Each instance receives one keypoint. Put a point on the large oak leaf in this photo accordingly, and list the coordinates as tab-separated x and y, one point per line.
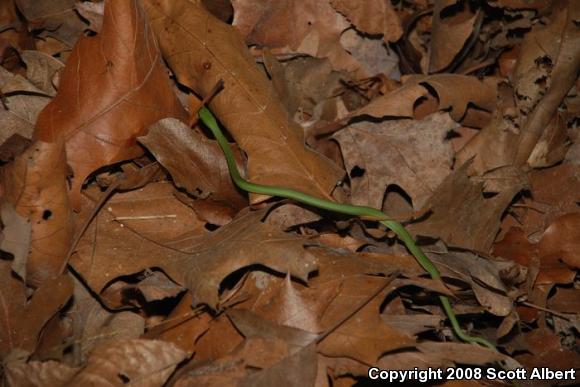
414	155
198	263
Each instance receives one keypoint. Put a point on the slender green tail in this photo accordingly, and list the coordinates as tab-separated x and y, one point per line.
359	211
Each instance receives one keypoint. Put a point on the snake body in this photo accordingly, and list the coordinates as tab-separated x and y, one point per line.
347	209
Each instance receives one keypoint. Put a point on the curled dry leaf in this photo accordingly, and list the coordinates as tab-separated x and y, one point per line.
113	87
201	50
35	184
414	155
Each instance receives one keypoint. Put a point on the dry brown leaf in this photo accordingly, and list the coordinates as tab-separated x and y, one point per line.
182	327
297	369
93	12
365	336
552	145
414	155
482	274
20	107
561	241
252	325
220	339
113	87
546	266
303	83
315	30
147	363
15	237
566	300
453	24
142	362
464	353
547	351
22	320
198	263
38	373
276	355
57	18
41	70
35	184
557	186
454	92
453	218
195	163
202	50
373	57
93	325
371	17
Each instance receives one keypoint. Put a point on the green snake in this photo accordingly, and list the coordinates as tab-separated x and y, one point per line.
347	209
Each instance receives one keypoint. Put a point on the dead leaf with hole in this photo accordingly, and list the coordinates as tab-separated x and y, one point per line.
413	155
109	94
35	184
202	50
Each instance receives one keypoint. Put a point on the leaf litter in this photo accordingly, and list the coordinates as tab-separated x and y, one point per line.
127	255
